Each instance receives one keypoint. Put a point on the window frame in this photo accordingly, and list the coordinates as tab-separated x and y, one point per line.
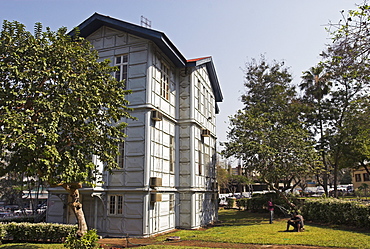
172	203
121	156
164	80
172	153
200	158
366	177
121	61
358	177
115	204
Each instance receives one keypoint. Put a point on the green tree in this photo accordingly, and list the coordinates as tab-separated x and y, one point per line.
58	107
347	62
356	135
268	133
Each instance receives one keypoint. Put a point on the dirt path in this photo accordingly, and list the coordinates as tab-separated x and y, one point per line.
113	243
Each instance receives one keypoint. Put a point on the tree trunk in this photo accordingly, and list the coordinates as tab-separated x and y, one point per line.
76	207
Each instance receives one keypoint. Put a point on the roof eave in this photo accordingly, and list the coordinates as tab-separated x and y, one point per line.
97	20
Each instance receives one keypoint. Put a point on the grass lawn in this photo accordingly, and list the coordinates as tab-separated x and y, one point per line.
245	227
253	228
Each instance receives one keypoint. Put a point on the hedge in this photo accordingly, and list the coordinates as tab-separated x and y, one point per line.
36	232
336	211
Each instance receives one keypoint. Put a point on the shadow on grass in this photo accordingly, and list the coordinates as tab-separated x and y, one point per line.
340	227
232	217
18	246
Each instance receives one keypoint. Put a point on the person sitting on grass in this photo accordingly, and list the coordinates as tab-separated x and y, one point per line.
296	221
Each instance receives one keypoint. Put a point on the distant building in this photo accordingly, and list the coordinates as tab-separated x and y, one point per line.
359	177
167	175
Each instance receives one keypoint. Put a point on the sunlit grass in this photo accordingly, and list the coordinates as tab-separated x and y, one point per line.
254	228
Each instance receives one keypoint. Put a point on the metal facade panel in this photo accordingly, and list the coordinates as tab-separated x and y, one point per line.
138	70
133	210
135	148
133	227
136	97
134	163
139	57
135	133
116	179
137	84
109	41
134	179
121	39
55	204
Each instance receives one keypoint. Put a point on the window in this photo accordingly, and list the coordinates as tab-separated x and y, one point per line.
198	95
366	177
358	177
115	204
165	81
172	203
200	158
121	156
122	64
172	153
200	204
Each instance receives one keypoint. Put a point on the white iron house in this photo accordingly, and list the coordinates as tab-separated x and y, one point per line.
167	176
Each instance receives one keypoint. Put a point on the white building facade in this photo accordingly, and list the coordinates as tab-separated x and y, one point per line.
167	176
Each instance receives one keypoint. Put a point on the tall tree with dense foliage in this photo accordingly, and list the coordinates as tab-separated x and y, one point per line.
59	106
356	135
268	134
347	62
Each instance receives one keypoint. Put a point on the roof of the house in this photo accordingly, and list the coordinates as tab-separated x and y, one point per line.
97	20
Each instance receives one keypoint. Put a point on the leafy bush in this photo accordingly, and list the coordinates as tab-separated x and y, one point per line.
231	202
242	203
336	211
40	232
89	240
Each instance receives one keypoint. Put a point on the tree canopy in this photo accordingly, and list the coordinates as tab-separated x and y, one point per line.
346	65
268	134
59	105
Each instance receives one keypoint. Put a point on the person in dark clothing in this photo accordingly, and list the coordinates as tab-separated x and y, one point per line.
297	222
270	207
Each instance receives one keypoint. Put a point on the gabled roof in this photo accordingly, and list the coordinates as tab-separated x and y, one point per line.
97	20
211	72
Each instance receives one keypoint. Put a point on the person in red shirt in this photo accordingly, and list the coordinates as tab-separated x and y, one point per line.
270	207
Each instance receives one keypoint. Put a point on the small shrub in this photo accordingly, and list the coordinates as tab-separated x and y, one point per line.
242	203
231	202
88	241
38	232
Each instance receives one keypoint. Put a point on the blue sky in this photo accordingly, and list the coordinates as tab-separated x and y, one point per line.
231	31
